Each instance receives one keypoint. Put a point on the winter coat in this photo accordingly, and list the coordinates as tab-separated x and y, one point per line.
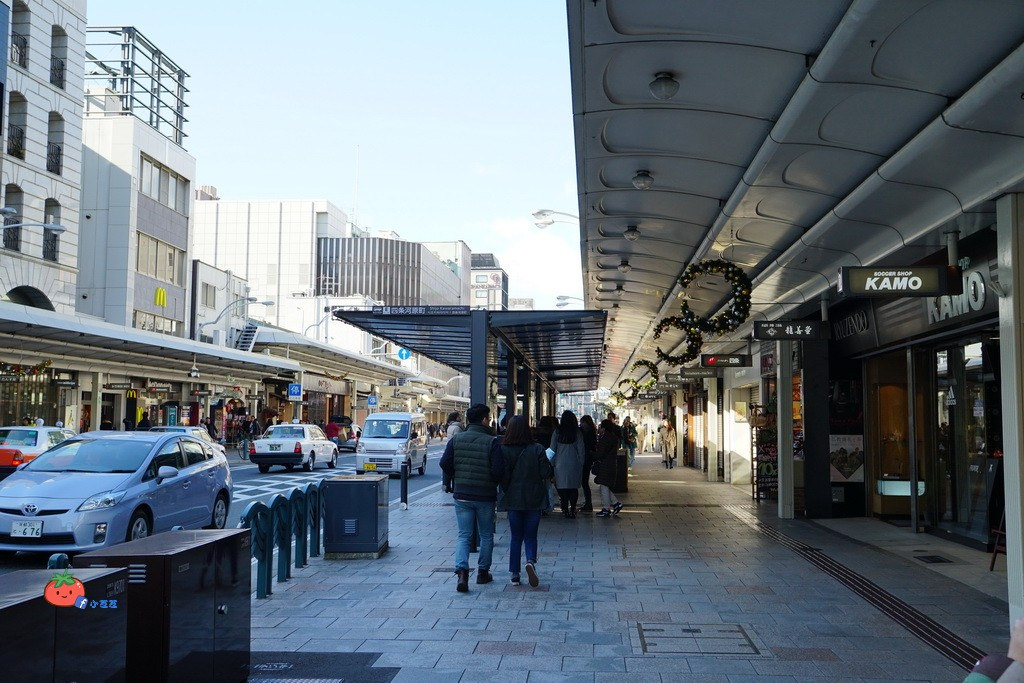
605	458
590	442
453	429
568	461
525	482
629	436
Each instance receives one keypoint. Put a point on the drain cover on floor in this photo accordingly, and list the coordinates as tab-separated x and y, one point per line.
318	667
712	640
933	559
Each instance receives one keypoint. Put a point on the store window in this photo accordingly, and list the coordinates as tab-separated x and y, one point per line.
164	185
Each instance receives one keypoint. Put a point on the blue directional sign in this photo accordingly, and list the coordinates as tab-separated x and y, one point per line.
295	392
404	354
371	401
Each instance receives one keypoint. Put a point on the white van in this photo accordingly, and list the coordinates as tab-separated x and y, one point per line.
390	439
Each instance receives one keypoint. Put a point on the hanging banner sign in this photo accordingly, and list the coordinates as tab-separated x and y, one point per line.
65	382
163	389
782	330
692	373
725	360
908	281
118	385
201	392
420	310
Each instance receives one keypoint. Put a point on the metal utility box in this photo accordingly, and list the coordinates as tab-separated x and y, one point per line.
42	642
356	513
188	597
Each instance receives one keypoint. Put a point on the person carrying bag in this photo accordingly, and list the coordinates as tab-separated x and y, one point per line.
524	484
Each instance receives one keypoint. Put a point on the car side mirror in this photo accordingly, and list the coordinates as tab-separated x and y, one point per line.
166	472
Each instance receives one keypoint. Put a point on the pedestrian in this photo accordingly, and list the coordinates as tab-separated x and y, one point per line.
570	453
668	444
542	435
1008	668
524	485
26	421
128	423
590	442
430	431
40	422
629	440
106	424
211	429
331	431
454	425
144	424
641	436
608	438
472	470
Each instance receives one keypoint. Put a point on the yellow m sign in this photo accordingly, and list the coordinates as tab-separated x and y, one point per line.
161	297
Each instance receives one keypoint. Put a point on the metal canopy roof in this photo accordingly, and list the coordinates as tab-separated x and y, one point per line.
563	347
805	135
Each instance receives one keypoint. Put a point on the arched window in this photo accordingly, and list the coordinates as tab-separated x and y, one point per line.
16	120
51	238
58	55
55	144
21	19
13	199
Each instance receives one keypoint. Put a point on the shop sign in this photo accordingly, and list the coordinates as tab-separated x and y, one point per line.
950	398
725	360
693	373
323	385
858	322
253	397
420	310
118	385
159	389
901	281
10	379
65	383
972	300
792	330
200	392
648	396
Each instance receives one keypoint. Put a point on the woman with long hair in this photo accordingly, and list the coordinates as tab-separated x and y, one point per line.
525	490
570	453
590	443
608	439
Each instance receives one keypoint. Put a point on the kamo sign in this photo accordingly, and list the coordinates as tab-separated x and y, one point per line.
909	281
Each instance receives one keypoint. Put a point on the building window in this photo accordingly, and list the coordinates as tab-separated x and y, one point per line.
480	294
51	239
21	19
58	56
209	295
164	185
55	144
18	108
480	278
13	199
160	260
155	323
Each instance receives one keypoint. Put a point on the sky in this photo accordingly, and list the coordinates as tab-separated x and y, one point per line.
437	120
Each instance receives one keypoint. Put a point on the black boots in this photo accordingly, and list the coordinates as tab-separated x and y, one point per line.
483	576
463	585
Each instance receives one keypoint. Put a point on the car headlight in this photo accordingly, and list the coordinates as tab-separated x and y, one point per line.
401	449
361	448
102	500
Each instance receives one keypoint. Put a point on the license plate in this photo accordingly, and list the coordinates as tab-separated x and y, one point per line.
369	466
275	446
27	529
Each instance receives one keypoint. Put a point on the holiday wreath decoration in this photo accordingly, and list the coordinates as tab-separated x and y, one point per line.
24	370
634	386
696	326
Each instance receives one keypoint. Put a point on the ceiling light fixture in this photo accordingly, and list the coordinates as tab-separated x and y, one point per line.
624	267
619	291
664	86
643	180
632	233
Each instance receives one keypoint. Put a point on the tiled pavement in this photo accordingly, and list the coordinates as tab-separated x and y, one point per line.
676	588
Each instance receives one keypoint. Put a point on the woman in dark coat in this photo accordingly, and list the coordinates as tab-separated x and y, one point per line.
608	438
525	493
590	442
570	453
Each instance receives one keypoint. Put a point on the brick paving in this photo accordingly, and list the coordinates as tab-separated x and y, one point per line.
678	587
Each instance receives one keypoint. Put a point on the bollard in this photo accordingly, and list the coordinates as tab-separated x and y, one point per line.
58	561
315	518
257	518
300	522
405	486
281	516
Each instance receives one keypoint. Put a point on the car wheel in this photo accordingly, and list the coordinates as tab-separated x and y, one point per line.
220	512
308	465
139	526
264	468
333	462
290	468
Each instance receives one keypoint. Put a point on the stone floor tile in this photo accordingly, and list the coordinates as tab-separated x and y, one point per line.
593	664
560	677
505	648
531	663
483	676
331	645
413	674
469	662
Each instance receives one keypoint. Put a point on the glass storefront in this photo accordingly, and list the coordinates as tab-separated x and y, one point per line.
31	396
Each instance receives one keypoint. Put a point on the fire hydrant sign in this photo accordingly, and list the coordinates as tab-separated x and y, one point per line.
894	281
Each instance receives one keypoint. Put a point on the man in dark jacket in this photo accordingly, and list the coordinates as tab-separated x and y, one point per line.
472	470
144	423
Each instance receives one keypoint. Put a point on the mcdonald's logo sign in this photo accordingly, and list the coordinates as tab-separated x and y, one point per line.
131	393
161	297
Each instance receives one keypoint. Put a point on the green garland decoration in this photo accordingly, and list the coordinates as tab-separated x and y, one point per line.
636	387
25	370
696	326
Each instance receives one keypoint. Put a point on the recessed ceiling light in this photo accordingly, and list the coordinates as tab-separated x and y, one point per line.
664	86
624	267
643	180
632	233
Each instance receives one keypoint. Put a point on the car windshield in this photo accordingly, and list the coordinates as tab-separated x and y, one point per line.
285	433
386	429
93	455
18	437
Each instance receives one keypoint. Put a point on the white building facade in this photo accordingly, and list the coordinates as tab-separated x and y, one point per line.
42	164
220	306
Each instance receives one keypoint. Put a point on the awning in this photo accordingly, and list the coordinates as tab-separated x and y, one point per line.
564	348
89	344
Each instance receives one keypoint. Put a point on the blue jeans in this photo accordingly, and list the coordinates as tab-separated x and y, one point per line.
470	513
523	526
631	453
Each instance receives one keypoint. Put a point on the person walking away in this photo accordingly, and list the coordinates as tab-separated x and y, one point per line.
589	431
144	424
524	485
542	435
472	470
211	429
454	426
641	435
570	453
629	440
608	438
331	431
668	445
249	431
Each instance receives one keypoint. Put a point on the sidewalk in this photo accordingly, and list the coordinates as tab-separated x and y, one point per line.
691	582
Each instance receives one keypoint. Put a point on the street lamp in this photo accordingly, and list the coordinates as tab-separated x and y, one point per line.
11	211
544	218
250	299
564	299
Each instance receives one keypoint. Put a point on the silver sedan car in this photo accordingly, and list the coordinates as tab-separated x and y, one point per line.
103	488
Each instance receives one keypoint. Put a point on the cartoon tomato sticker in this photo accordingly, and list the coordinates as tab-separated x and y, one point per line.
63	590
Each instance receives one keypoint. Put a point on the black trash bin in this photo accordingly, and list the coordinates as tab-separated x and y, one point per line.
621	473
188	597
42	642
355	515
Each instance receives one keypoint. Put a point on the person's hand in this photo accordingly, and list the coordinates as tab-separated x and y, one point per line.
1016	650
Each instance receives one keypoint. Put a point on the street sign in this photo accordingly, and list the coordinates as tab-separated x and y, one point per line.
118	385
725	360
65	382
802	330
420	310
294	391
648	396
692	373
404	354
371	401
901	281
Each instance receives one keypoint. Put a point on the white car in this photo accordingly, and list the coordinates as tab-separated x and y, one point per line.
291	445
198	432
21	444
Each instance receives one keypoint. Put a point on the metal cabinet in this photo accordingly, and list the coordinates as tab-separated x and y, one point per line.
188	596
41	642
356	513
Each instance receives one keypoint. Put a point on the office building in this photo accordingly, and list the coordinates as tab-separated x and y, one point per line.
520	304
490	283
457	256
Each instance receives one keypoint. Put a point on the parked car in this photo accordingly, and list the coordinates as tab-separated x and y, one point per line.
19	445
198	432
102	488
351	441
390	439
291	445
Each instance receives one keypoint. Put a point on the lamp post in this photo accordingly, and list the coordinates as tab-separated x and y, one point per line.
564	299
543	218
249	299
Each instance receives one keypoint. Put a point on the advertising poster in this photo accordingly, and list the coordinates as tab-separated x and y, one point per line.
846	455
